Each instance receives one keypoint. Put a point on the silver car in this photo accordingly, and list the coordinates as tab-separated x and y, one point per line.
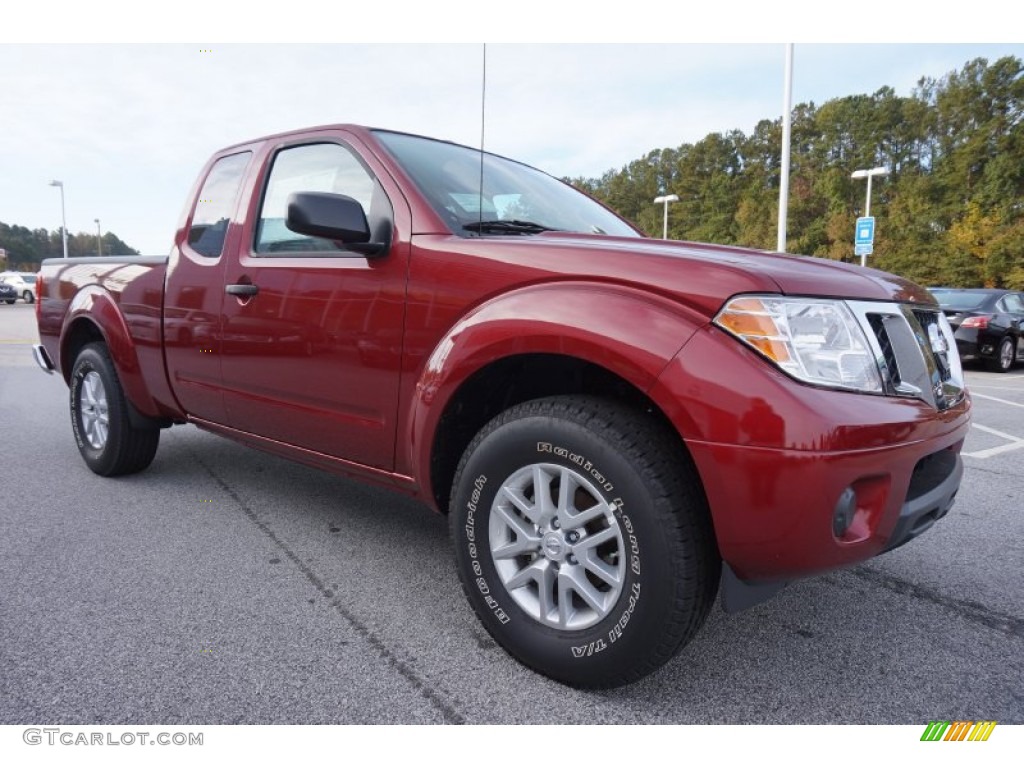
24	284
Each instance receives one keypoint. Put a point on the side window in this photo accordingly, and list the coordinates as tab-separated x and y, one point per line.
1014	303
216	204
313	168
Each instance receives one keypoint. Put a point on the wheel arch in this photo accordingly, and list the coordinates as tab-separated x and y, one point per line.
94	316
509	381
539	341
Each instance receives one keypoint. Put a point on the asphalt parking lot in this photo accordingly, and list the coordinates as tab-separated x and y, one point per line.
227	586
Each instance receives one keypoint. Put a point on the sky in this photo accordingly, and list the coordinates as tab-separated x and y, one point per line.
127	126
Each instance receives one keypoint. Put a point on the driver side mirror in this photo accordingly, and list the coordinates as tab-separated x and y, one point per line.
331	216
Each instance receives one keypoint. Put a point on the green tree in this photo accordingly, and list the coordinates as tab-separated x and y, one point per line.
950	212
27	248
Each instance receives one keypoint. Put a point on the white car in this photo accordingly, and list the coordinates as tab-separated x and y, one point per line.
23	282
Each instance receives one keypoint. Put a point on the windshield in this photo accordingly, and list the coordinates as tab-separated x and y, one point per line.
960	301
516	199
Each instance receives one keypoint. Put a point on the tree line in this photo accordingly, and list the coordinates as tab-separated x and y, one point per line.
26	248
949	213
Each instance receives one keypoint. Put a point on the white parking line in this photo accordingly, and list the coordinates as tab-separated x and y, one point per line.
997	433
1016	443
998	400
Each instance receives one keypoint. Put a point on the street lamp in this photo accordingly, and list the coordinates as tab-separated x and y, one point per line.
868	174
666	199
63	217
99	239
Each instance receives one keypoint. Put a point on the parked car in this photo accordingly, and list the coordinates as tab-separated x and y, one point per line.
987	322
8	293
24	284
616	425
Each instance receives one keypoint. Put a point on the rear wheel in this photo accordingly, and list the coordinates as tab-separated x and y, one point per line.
583	540
100	418
1003	361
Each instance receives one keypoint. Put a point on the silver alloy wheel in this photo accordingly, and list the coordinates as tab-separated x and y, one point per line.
1006	354
92	405
557	546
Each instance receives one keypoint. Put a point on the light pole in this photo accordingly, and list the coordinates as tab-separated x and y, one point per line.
63	217
787	131
666	199
868	174
99	239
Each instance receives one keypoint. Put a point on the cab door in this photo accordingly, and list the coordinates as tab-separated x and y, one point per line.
312	332
194	288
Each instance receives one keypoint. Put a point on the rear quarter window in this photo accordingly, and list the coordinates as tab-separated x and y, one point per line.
216	204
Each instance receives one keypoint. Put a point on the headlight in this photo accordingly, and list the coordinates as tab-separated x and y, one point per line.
814	340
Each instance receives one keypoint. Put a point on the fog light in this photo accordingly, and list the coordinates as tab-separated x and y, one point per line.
843	515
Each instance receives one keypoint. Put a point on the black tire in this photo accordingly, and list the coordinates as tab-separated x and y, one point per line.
637	474
114	447
1005	355
10	301
28	297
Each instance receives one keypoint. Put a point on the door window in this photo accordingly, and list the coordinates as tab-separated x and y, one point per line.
313	168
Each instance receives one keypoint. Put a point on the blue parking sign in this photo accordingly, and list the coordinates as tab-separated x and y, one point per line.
865	232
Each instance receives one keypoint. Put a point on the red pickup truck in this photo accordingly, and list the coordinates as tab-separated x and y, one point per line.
615	425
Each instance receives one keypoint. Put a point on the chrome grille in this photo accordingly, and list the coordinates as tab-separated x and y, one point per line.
892	369
926	320
915	351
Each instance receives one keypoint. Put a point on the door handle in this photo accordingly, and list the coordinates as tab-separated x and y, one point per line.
241	289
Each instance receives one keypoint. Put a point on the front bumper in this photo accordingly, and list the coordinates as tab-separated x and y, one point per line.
779	459
933	489
774	510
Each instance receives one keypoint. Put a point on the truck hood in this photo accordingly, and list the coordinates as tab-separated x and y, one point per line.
704	276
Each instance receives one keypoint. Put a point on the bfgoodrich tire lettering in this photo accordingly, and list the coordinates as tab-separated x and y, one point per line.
597	585
105	436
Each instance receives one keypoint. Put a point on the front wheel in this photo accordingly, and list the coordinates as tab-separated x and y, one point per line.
583	539
100	419
1003	361
28	297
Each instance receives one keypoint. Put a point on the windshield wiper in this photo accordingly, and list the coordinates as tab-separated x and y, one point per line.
509	226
